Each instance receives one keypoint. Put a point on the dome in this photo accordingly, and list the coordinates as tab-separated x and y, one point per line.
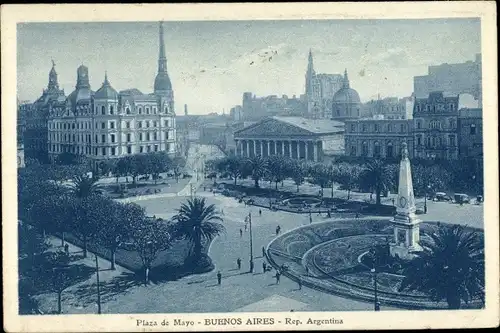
79	95
346	95
162	82
106	91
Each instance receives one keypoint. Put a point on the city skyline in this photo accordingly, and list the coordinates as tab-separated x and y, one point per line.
381	58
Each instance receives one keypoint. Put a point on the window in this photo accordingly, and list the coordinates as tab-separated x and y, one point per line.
112	138
103	151
129	149
156	147
353	150
113	151
147	123
73	138
428	141
103	109
452	123
140	110
155	136
155	124
364	128
140	136
128	137
389	127
111	109
375	127
364	149
472	129
147	110
95	151
418	124
127	124
419	140
96	112
353	128
127	110
376	149
403	127
452	140
154	110
141	149
390	150
96	139
112	125
148	149
139	124
166	135
103	125
103	138
452	107
147	136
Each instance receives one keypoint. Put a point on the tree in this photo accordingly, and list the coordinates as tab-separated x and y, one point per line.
160	162
429	179
60	274
320	176
234	166
257	167
277	167
298	173
84	186
348	176
178	164
31	243
123	167
86	213
450	267
376	176
149	237
67	158
197	222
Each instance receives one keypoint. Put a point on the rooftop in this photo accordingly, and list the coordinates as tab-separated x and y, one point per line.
312	125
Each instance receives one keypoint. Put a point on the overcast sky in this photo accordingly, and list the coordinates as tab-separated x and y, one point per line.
211	64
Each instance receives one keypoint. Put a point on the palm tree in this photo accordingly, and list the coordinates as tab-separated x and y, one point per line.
197	222
378	177
84	186
450	267
258	168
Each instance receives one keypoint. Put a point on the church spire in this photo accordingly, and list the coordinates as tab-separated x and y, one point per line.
53	84
310	73
162	59
346	79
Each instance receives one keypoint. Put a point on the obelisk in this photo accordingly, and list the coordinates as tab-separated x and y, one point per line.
405	222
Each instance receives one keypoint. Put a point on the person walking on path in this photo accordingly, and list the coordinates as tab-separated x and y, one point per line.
219	278
66	248
278	229
264	267
246	226
238	262
251	266
263	252
310	219
300	284
307	270
260	212
278	275
357	215
241	233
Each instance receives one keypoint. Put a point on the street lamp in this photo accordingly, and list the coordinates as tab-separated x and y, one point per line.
425	198
98	288
251	241
376	302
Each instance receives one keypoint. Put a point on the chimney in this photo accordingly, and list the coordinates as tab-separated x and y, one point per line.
185	109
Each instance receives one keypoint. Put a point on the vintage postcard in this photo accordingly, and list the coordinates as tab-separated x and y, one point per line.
237	167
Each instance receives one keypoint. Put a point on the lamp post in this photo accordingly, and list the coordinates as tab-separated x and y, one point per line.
376	302
425	198
251	242
98	288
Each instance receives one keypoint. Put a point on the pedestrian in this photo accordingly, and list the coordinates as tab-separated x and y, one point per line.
264	267
260	212
310	219
307	270
219	278
278	229
204	188
357	215
278	275
66	248
246	226
238	262
251	266
300	284
241	233
263	252
393	201
371	197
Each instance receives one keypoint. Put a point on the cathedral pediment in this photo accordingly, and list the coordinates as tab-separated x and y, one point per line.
286	126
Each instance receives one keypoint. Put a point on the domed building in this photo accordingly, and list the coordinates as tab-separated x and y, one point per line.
346	102
107	124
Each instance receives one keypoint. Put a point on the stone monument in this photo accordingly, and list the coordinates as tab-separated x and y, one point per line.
405	222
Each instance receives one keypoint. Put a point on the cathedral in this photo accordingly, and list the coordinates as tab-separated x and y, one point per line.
107	124
330	95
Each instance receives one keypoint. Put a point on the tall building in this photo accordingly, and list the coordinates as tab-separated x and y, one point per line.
106	124
256	108
320	89
453	79
470	133
346	102
389	108
435	119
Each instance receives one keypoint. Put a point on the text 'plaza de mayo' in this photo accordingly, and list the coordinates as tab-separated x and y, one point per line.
441	119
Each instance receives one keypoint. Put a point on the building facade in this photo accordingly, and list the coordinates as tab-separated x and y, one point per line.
293	137
106	124
453	79
378	138
255	108
470	133
320	89
389	108
435	121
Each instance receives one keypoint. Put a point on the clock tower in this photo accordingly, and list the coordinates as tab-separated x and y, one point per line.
405	222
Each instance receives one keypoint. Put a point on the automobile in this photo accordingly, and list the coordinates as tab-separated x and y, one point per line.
461	198
186	175
441	196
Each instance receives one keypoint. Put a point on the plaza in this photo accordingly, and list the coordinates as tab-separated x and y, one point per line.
240	290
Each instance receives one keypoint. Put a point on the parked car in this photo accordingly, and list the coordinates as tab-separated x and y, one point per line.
461	198
186	175
441	196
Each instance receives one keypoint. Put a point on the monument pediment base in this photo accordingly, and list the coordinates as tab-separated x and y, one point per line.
404	252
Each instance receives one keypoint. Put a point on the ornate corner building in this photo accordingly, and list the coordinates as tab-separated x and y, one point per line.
104	124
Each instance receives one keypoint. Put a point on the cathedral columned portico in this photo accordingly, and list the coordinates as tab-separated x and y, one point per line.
292	137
